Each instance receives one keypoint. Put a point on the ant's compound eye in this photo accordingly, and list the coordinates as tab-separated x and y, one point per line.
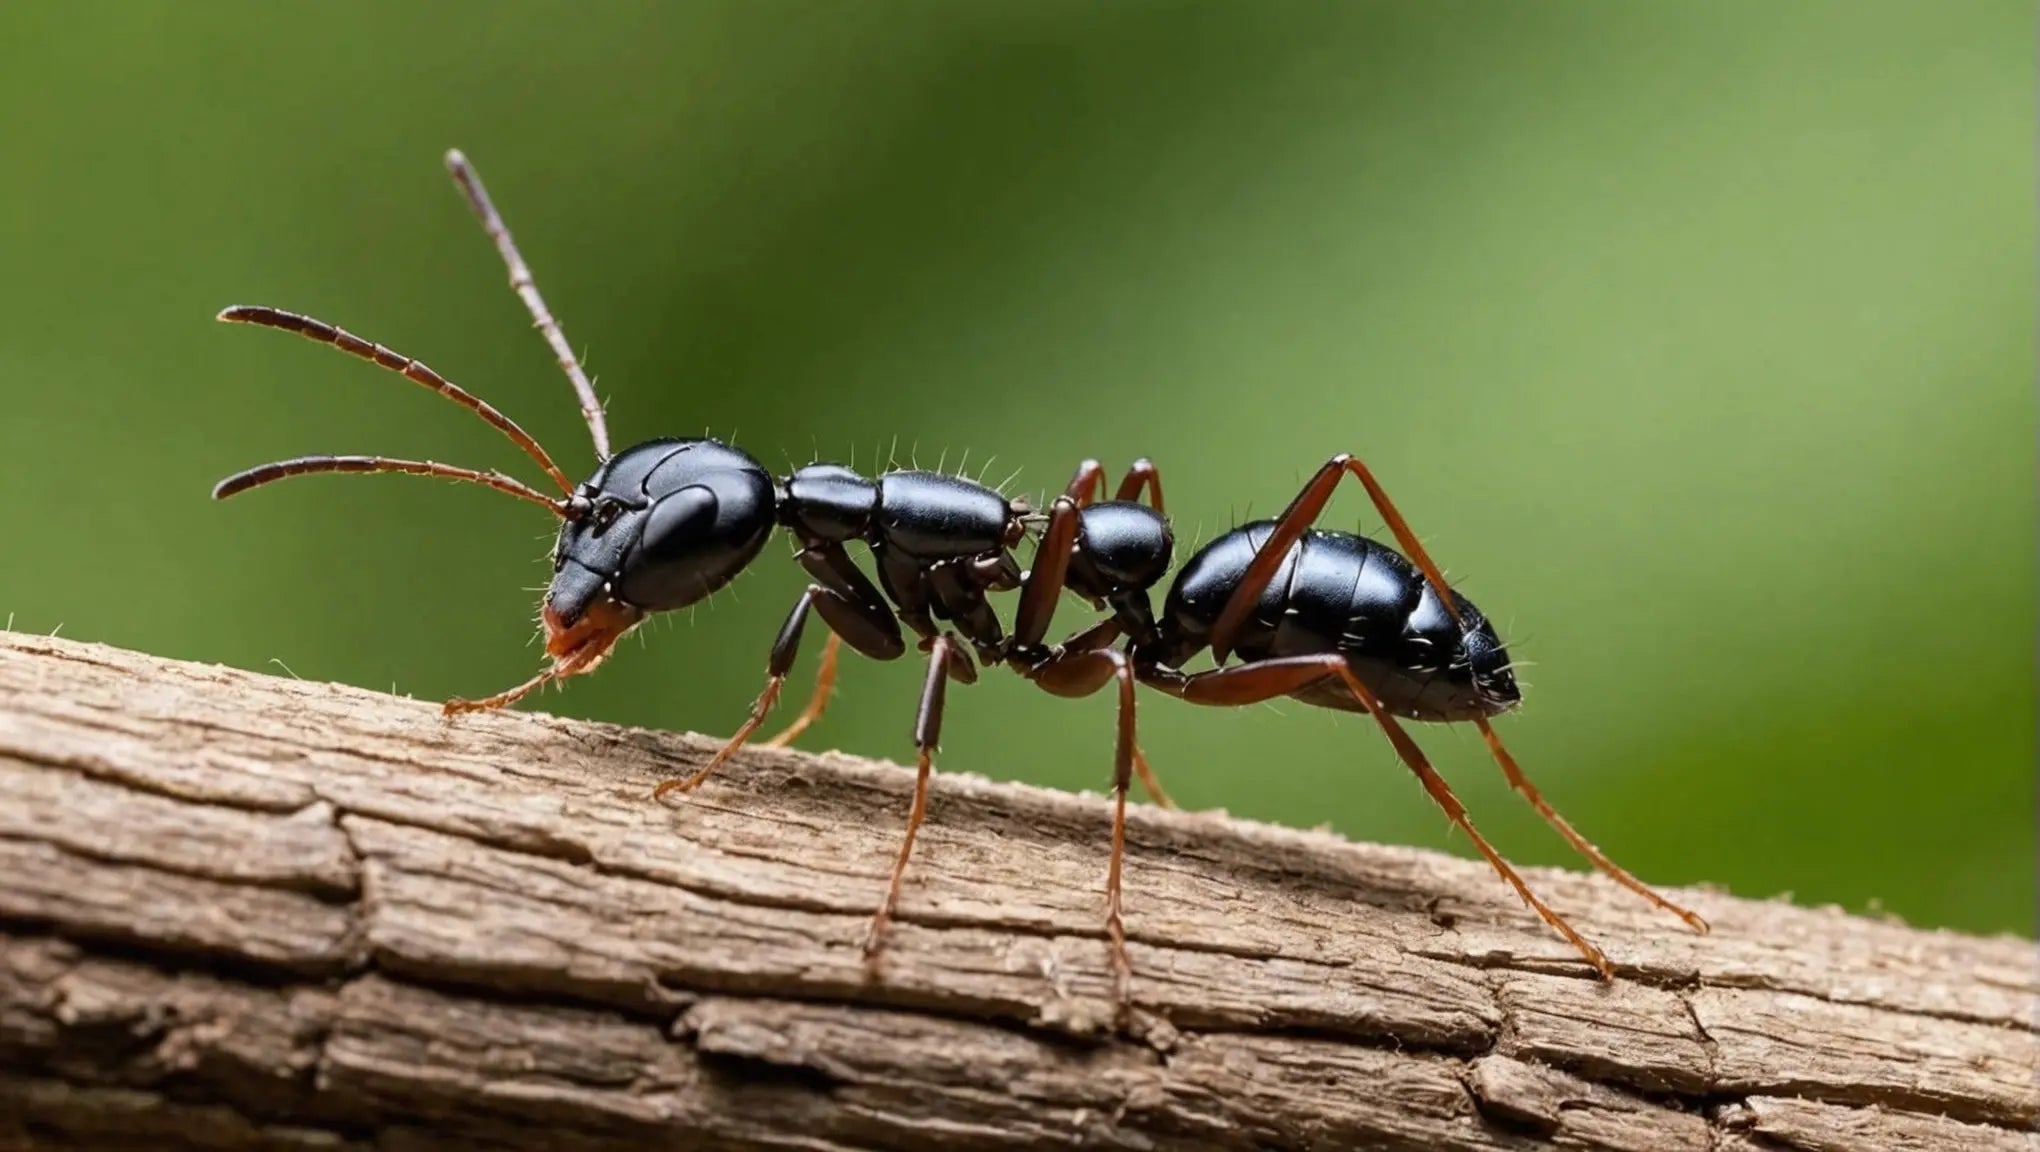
606	512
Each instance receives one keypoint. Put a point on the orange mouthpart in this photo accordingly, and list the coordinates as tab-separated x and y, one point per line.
575	648
580	646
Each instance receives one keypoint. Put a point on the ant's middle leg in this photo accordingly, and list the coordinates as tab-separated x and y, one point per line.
1088	485
1044	585
873	633
943	653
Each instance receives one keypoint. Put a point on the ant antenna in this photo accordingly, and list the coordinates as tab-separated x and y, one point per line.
402	365
521	282
308	465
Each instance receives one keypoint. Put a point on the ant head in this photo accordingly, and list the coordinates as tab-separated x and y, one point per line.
659	526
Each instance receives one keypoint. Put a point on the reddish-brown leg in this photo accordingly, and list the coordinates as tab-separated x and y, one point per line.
759	709
927	735
1087	485
1044	583
502	699
818	700
1143	473
1079	672
1521	783
1148	781
1297	519
865	625
1268	679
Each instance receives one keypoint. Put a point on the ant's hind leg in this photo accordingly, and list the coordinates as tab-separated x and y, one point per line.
1268	679
1521	783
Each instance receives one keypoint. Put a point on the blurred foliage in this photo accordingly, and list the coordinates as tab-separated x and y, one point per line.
1698	340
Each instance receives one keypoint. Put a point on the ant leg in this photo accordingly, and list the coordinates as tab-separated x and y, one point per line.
1581	844
1044	584
818	700
831	567
874	635
1103	635
1143	473
1076	671
1295	520
1088	485
1148	781
502	699
927	734
1265	680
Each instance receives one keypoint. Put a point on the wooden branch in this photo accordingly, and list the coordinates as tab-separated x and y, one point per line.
246	912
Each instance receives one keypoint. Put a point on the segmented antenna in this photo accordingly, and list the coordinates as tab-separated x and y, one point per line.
402	365
527	290
309	465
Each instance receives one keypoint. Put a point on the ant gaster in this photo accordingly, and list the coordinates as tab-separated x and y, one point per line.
664	524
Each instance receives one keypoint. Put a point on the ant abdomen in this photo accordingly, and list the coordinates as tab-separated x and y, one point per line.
1336	592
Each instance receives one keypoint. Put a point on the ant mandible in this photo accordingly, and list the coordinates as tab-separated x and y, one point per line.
664	524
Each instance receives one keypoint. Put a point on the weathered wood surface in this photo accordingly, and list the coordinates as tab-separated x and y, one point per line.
241	912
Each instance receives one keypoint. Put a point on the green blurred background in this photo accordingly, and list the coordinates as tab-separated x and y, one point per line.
1697	340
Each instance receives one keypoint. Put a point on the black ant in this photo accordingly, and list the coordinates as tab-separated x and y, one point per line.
664	524
1333	619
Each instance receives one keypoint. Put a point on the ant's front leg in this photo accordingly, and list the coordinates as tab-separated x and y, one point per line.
832	567
872	632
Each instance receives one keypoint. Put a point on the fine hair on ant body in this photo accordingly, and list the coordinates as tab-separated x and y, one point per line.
1333	619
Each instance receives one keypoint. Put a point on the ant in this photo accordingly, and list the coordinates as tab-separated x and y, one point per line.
664	524
1333	619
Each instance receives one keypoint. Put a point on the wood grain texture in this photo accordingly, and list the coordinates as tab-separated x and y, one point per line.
245	912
